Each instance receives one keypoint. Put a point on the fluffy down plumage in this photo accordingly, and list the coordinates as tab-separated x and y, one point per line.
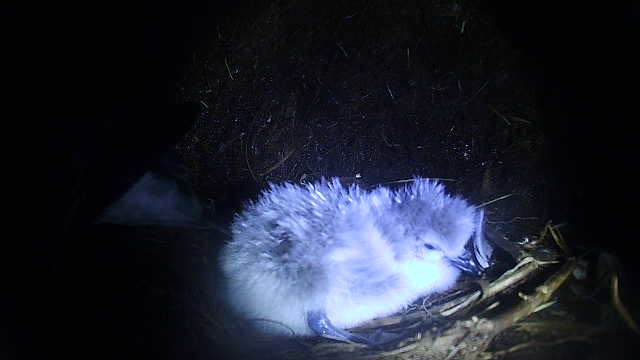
350	253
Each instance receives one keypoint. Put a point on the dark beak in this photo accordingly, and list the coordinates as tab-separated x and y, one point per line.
478	255
467	263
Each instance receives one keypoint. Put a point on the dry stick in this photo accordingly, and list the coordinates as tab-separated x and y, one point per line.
477	92
480	336
391	320
470	338
344	52
519	119
390	93
557	237
545	305
246	159
517	218
278	164
224	146
523	270
228	70
541	295
494	200
504	118
517	274
334	348
617	303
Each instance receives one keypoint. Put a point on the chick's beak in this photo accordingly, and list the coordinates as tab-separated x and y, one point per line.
467	263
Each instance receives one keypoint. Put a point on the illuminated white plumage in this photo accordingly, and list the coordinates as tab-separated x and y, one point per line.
346	252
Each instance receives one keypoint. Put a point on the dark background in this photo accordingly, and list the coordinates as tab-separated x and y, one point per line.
114	67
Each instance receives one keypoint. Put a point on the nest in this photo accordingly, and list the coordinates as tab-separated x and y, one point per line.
471	316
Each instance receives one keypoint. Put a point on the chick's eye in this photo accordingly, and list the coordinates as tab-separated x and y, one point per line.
429	246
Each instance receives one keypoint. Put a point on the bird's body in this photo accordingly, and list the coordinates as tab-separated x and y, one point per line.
347	253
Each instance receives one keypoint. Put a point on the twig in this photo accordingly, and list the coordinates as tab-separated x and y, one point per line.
517	218
228	70
544	306
390	93
494	200
278	164
477	92
504	118
540	296
386	141
344	52
246	159
519	119
517	274
557	237
223	147
622	310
